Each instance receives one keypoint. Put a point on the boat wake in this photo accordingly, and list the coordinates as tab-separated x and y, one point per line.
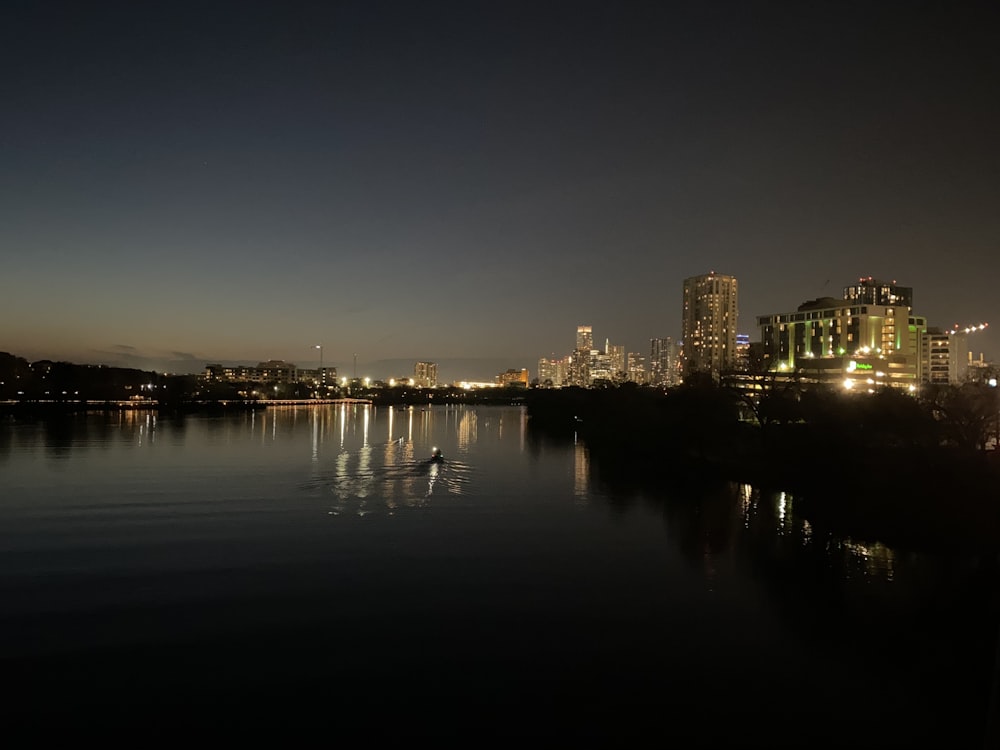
387	480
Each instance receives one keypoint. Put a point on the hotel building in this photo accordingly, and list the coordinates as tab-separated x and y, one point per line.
828	340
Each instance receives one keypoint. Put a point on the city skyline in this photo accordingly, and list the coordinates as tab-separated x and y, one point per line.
468	183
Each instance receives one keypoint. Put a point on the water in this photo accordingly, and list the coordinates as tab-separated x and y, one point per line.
309	566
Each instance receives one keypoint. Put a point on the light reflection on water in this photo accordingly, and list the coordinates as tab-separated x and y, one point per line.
382	455
388	477
872	560
329	526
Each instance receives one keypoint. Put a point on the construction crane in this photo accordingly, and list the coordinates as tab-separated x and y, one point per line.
968	329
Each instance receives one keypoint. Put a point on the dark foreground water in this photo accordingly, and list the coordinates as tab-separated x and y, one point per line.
307	567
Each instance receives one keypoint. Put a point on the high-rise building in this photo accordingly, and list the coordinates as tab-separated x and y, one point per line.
580	360
601	367
637	368
664	367
425	374
709	323
552	373
869	291
578	373
616	357
742	352
944	354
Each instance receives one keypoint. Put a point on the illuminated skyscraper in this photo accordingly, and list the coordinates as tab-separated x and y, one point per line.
637	368
579	371
663	365
709	323
616	358
553	372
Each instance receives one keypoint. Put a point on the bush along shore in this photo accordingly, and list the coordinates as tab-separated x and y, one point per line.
884	465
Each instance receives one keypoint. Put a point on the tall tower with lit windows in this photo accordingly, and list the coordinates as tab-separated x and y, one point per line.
580	362
663	365
425	374
709	323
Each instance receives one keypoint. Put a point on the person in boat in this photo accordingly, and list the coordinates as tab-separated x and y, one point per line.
430	464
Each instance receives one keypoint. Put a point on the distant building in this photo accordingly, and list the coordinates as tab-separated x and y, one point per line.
742	352
425	375
580	360
322	376
616	358
272	371
636	372
981	371
227	374
664	362
601	367
944	357
947	357
513	378
552	372
709	323
278	371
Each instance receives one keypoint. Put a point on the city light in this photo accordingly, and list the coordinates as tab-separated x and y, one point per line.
968	329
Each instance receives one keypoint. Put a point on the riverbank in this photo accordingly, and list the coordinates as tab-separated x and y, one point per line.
884	479
391	397
55	408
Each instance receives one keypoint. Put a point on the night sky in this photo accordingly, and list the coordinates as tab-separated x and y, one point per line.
183	183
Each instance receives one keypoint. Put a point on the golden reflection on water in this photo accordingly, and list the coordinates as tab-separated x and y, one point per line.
870	559
873	558
468	430
581	473
141	423
371	459
748	503
775	507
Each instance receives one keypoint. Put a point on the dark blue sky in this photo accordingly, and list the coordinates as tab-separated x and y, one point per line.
191	182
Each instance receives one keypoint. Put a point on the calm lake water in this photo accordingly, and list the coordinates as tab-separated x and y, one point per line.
307	566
